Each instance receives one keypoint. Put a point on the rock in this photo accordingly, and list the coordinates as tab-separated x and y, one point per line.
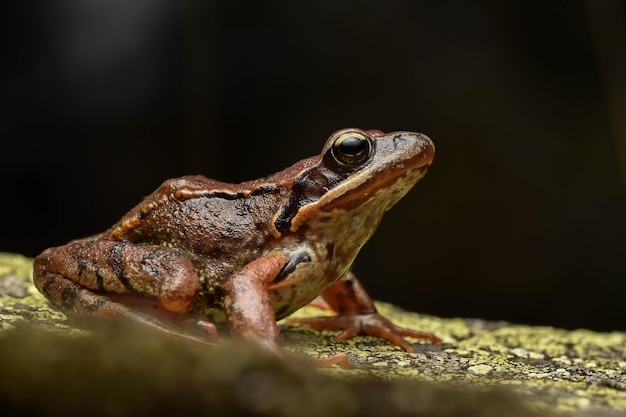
480	368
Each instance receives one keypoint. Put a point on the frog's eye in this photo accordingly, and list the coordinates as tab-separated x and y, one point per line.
351	149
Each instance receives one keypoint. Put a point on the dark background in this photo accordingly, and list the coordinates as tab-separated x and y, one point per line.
521	217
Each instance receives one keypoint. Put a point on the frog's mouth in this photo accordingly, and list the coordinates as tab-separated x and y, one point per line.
395	185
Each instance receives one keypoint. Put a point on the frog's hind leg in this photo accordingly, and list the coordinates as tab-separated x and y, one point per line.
79	303
88	278
357	314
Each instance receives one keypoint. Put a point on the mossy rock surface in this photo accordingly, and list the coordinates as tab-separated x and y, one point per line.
480	368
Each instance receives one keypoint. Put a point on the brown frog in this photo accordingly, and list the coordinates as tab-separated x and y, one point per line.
246	254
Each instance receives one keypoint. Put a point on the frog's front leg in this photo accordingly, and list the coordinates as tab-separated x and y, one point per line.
85	279
358	315
248	309
249	312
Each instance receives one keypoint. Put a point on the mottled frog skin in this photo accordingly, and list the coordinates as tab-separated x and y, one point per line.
246	254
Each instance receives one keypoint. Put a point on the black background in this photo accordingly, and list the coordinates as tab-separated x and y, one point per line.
520	218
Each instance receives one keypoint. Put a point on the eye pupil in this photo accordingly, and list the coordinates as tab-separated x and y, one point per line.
353	145
351	150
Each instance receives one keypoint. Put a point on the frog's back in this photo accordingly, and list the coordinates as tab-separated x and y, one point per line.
205	218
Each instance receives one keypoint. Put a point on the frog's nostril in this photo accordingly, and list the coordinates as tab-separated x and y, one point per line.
399	139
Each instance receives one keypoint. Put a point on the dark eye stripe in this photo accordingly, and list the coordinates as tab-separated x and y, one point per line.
307	188
348	152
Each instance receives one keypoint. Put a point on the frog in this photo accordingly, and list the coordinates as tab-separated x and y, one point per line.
246	255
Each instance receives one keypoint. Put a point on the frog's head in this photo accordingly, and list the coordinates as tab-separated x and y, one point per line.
359	174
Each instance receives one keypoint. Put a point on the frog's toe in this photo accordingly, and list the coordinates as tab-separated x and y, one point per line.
209	330
372	324
416	334
376	325
340	359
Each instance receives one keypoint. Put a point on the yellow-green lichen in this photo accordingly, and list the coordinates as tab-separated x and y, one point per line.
553	369
20	302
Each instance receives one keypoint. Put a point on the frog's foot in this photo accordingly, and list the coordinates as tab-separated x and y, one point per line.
340	359
209	329
273	348
372	324
203	327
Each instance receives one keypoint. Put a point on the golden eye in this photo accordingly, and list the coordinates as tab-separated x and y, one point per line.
351	149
